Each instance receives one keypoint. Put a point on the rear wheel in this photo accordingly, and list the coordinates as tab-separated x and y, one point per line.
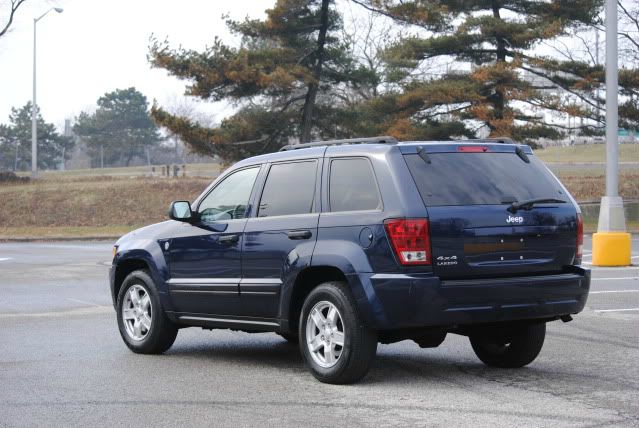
335	344
514	348
143	324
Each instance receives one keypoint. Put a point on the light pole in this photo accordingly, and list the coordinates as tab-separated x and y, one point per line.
611	244
34	105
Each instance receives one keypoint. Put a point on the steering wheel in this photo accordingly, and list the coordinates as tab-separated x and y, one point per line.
239	209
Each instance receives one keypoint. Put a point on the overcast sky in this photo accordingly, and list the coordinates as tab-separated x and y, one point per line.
96	46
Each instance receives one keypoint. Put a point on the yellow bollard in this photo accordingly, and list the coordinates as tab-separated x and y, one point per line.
611	249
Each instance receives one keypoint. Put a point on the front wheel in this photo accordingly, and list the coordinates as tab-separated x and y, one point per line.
335	344
514	348
143	324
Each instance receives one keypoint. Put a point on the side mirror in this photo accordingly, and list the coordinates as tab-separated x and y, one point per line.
180	211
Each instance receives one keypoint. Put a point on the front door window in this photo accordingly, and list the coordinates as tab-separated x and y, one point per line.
229	199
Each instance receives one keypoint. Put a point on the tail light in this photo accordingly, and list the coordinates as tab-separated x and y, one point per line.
580	236
410	239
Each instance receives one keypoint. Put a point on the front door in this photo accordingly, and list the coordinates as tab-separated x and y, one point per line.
205	259
282	236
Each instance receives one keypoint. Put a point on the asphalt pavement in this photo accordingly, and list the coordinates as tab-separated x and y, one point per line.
62	363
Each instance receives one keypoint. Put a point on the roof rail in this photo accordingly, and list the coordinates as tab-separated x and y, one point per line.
369	140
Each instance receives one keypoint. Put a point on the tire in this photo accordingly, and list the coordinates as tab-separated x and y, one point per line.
351	347
516	348
290	338
156	332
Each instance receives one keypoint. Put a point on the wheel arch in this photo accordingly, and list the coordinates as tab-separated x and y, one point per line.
122	270
130	260
305	281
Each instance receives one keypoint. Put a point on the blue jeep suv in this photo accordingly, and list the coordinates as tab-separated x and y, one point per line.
343	244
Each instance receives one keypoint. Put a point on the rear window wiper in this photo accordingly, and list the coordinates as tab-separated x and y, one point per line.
527	205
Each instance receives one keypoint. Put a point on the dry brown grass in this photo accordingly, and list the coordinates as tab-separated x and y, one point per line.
93	202
591	188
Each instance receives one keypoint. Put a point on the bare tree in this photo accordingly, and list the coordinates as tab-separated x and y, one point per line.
629	32
5	22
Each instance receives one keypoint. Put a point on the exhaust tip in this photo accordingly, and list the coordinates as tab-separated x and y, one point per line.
566	318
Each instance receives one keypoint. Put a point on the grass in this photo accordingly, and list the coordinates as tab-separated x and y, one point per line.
587	153
63	232
590	188
89	206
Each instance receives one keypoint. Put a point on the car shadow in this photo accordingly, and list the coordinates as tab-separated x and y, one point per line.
243	348
394	364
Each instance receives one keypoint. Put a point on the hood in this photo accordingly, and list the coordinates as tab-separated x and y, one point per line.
152	231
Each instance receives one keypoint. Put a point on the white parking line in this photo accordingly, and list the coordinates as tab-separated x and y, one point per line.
612	279
609	268
83	301
617	310
613	291
4	259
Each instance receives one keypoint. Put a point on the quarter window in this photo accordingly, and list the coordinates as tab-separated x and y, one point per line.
289	189
352	186
229	199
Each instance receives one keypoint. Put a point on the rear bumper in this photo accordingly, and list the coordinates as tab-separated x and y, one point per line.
391	301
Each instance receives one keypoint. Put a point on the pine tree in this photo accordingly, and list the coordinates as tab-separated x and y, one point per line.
282	77
496	41
120	128
15	142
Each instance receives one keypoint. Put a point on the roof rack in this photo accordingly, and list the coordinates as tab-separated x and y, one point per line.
369	140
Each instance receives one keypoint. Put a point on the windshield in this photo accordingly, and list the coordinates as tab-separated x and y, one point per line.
481	178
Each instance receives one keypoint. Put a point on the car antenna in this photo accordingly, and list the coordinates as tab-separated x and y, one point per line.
422	154
520	152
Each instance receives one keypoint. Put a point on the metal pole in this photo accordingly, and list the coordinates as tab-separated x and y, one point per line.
612	90
597	64
34	108
611	245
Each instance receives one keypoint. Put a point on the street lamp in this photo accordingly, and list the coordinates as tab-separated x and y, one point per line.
34	106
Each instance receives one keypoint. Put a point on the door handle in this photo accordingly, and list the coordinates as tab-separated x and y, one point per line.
299	234
229	239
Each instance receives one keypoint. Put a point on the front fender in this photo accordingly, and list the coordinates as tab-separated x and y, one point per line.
150	252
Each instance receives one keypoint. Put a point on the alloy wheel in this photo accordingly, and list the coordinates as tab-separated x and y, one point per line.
137	312
325	334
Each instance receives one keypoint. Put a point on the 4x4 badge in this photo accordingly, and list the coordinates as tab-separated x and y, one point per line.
446	260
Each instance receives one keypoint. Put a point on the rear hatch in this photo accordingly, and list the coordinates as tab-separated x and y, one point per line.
475	229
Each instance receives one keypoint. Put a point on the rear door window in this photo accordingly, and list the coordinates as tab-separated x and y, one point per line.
352	186
480	178
289	189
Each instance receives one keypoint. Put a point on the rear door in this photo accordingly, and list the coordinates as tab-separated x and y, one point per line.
468	190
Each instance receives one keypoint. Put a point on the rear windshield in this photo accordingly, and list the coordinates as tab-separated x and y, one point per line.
480	178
